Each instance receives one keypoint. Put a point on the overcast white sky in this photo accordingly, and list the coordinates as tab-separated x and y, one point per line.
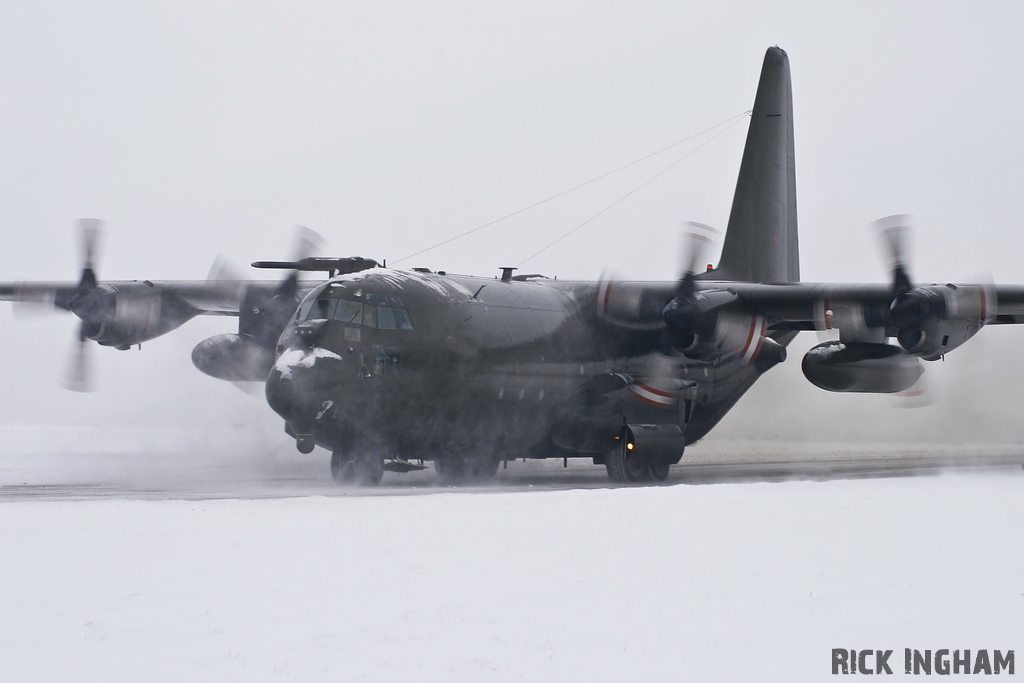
203	127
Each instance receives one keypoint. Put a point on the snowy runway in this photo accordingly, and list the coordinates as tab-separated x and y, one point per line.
663	583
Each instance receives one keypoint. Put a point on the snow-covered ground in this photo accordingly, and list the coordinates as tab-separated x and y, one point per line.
721	582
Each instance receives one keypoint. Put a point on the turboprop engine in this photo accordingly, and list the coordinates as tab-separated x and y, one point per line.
861	367
131	315
700	324
932	321
265	311
248	355
120	316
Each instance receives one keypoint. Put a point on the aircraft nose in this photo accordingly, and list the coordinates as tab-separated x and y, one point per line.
299	383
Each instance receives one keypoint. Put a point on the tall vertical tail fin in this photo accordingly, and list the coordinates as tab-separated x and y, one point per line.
761	240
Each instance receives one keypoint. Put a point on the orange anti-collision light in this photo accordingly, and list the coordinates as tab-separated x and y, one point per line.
629	446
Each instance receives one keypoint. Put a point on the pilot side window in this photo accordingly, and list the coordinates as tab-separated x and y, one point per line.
322	309
304	308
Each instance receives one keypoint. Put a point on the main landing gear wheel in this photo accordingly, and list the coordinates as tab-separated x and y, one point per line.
365	469
625	465
484	467
658	471
369	469
450	469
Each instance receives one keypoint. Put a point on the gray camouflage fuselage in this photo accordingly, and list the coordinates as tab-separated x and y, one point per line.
505	369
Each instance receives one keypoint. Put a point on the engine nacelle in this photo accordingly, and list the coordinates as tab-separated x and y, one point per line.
861	367
723	333
123	317
633	305
932	321
233	358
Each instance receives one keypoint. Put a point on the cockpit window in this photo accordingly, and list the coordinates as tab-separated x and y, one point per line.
322	309
304	309
349	312
386	318
389	313
402	319
393	318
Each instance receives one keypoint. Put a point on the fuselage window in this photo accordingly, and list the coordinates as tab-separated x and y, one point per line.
387	360
350	312
370	316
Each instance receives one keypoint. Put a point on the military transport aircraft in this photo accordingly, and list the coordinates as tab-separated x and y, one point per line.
385	367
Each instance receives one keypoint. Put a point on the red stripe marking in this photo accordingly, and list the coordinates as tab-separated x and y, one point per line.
652	402
659	392
607	294
911	394
701	238
760	341
750	336
983	306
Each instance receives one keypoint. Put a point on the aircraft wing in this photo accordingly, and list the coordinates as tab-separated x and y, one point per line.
804	306
222	297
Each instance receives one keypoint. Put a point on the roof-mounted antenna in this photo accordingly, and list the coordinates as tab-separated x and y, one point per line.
506	274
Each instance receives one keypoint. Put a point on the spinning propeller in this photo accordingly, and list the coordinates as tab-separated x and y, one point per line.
697	323
924	316
78	375
685	315
265	309
910	308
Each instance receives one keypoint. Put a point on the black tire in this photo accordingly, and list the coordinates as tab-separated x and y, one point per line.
625	465
483	468
658	471
450	469
369	469
343	472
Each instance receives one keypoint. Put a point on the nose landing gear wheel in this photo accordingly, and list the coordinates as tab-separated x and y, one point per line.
369	469
366	469
342	470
